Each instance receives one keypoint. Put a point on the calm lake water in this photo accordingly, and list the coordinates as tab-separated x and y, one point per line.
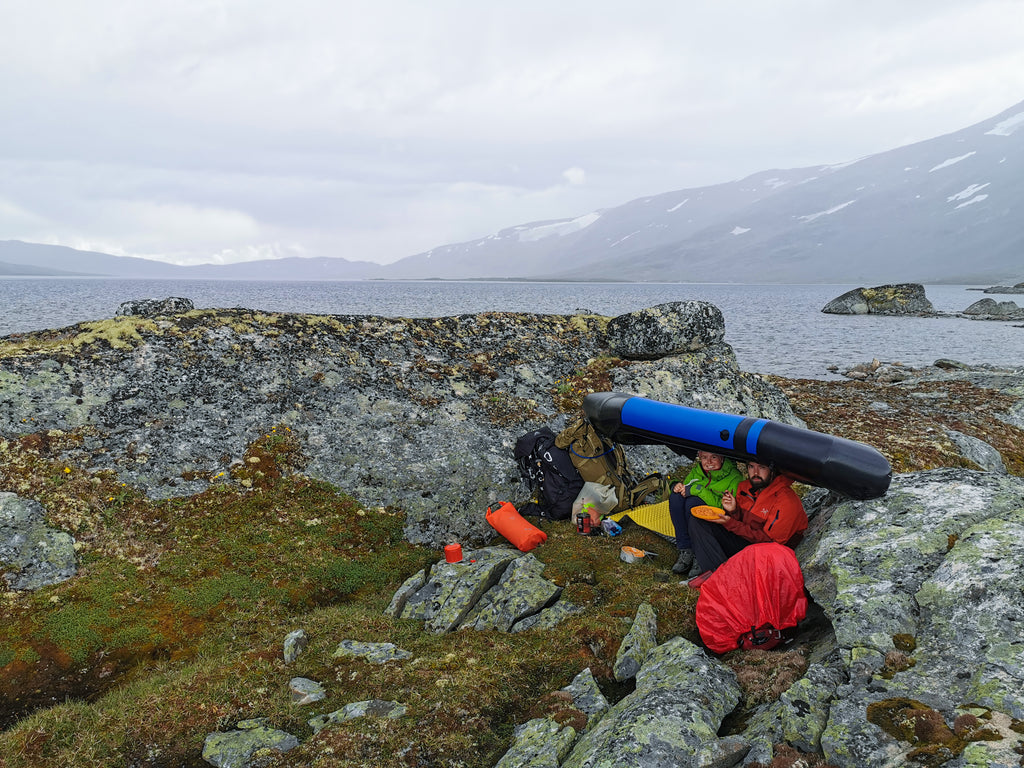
773	328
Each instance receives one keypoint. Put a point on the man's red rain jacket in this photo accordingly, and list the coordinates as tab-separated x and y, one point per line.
761	584
774	514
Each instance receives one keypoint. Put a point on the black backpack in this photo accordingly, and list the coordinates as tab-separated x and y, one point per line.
549	472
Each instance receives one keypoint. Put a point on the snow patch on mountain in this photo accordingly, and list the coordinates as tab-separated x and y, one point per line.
975	199
951	161
968	192
739	230
1007	126
677	206
833	209
557	228
624	239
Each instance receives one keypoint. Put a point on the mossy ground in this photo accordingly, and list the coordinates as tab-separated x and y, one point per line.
173	627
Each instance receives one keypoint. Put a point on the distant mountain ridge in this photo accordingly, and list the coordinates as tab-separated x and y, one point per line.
942	210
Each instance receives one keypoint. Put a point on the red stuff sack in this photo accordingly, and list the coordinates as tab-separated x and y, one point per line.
507	521
751	598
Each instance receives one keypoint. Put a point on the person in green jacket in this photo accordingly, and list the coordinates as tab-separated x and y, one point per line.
711	475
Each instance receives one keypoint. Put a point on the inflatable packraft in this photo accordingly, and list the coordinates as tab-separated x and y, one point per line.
841	465
751	598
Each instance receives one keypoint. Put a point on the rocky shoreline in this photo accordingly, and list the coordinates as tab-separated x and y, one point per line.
921	589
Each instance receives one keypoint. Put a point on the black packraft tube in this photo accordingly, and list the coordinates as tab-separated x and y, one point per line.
841	465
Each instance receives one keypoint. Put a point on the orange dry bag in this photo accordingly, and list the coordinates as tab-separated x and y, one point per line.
507	521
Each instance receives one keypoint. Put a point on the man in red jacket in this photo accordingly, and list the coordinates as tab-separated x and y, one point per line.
764	508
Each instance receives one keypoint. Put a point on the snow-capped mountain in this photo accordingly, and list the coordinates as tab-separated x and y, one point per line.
944	210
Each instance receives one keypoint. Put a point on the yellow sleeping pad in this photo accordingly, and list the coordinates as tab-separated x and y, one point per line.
654	517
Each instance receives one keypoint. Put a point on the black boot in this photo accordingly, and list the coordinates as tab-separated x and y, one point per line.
684	562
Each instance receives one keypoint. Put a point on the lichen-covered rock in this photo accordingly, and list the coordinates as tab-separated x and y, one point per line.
32	554
371	653
549	617
492	588
369	708
521	591
538	743
637	644
798	718
452	590
923	590
671	718
665	330
172	305
409	587
978	451
420	414
587	697
243	748
895	299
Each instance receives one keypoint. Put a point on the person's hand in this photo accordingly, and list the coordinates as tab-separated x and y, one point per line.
679	488
728	502
721	519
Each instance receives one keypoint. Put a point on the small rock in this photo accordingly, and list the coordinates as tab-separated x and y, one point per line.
370	708
305	691
372	653
294	644
235	749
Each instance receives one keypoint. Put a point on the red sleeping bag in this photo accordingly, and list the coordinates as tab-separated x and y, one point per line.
750	598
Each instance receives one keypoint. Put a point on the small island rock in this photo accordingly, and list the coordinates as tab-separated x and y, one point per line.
895	299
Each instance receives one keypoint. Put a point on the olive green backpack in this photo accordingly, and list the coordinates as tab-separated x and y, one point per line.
599	460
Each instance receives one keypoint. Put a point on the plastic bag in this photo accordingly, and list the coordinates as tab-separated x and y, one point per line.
602	497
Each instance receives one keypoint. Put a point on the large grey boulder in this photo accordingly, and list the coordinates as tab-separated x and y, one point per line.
667	329
421	414
671	718
172	305
32	554
708	380
923	588
893	299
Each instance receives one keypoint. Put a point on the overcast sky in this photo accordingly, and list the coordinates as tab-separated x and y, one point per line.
212	131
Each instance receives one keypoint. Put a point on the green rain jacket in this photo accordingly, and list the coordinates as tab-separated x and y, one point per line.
711	487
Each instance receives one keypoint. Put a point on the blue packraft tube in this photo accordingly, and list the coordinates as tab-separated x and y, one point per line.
846	466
